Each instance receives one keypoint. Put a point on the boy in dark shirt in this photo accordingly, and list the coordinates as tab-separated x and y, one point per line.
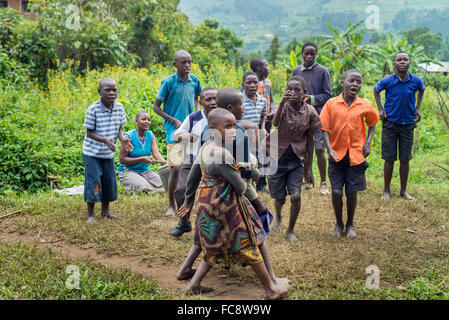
319	88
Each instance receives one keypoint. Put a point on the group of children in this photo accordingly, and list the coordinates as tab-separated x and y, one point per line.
228	150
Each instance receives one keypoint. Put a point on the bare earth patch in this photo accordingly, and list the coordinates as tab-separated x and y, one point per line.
404	239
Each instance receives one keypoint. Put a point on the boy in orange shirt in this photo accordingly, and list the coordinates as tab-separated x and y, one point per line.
343	120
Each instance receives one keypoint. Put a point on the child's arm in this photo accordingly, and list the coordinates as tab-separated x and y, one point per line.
418	106
125	140
94	136
278	114
157	108
193	181
366	150
331	152
309	159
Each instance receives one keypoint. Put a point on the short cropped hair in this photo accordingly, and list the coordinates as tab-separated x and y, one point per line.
207	89
309	44
228	96
216	115
256	62
347	73
104	81
140	113
247	74
396	54
301	81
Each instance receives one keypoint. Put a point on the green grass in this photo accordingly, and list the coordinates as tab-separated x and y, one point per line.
27	272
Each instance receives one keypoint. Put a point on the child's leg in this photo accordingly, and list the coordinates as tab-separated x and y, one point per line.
351	205
337	203
172	184
194	285
388	174
404	169
267	261
272	290
105	211
278	204
295	207
90	212
187	269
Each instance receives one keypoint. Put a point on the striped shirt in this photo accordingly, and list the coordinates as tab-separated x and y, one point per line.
105	123
254	113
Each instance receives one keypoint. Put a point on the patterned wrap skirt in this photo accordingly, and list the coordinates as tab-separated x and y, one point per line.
228	226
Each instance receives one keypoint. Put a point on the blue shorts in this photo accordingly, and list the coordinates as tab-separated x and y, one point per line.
100	182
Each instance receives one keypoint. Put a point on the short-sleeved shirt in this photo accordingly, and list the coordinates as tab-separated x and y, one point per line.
178	98
142	148
346	126
254	113
400	97
105	123
318	83
293	130
194	123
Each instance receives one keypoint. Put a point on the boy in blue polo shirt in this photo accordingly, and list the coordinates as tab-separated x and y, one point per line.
179	95
399	116
104	121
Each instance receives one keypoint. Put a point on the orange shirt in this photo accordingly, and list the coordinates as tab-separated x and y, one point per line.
346	126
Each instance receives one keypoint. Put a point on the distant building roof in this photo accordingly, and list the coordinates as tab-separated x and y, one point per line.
433	67
269	36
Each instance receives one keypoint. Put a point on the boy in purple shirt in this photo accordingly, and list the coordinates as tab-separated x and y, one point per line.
319	87
399	117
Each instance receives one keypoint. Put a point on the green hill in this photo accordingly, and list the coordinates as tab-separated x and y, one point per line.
253	19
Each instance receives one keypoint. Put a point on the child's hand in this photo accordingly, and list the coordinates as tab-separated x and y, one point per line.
366	150
111	144
177	123
417	116
287	95
183	211
382	114
128	145
333	155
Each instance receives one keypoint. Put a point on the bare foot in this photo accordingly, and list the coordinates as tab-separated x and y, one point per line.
406	196
385	196
350	233
277	291
291	237
170	212
276	226
109	216
186	275
91	220
199	290
338	231
280	281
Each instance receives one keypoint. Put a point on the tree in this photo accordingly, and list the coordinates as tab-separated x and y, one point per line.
273	51
421	36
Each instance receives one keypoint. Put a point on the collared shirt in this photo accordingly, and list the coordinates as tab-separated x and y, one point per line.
178	98
105	123
400	97
346	126
318	84
254	113
194	123
293	130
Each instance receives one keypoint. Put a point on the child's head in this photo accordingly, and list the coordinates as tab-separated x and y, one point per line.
250	82
309	52
143	120
231	100
252	131
107	88
297	86
260	67
222	122
401	61
208	99
352	83
182	62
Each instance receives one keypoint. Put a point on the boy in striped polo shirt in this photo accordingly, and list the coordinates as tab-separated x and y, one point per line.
104	121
